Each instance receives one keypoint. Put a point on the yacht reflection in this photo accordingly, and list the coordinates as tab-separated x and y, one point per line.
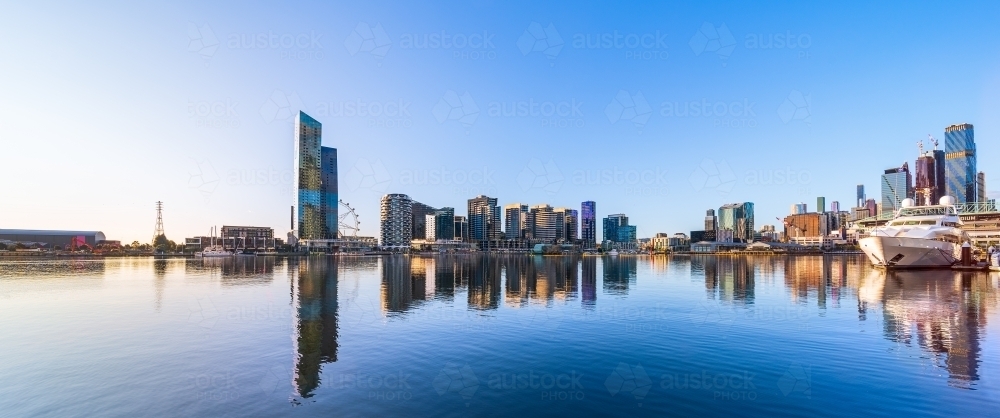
619	273
943	312
314	296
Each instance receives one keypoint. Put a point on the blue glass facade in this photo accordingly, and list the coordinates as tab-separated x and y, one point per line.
960	162
897	184
738	218
588	223
315	181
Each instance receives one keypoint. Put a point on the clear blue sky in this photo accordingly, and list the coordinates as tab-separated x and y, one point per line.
106	108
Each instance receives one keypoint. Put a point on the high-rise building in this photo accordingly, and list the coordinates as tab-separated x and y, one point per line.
820	204
441	225
396	217
872	207
626	233
330	206
798	209
314	205
419	223
611	225
861	196
545	223
484	219
960	162
568	224
835	206
930	182
711	222
897	184
588	223
461	228
981	187
738	218
515	221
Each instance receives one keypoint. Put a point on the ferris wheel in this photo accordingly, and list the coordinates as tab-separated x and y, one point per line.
348	225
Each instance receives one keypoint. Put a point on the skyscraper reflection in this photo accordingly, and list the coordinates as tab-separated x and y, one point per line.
314	298
588	286
484	282
729	279
619	273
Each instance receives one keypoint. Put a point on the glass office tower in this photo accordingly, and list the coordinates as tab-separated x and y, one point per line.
308	183
738	218
960	162
329	201
588	223
484	218
897	184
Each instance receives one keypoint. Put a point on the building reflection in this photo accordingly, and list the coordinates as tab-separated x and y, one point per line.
314	296
619	273
484	282
588	286
942	312
728	279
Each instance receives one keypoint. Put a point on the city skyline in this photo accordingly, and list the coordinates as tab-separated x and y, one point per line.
223	111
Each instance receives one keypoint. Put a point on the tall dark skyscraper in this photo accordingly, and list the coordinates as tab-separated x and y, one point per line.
960	162
588	223
897	184
314	203
611	225
820	204
929	180
484	218
861	196
515	216
739	218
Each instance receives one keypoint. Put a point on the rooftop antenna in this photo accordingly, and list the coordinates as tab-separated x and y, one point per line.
158	230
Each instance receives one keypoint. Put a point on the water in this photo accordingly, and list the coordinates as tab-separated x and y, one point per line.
491	336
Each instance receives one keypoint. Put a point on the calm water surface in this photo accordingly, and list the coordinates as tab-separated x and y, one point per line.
495	336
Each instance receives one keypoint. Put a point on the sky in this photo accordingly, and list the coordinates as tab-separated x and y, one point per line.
659	111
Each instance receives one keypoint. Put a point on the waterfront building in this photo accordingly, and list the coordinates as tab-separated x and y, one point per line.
546	224
396	217
820	204
738	218
897	184
461	228
626	233
315	205
440	225
419	212
588	224
960	162
872	206
611	224
981	187
861	195
835	206
711	222
567	230
246	237
50	238
807	225
329	200
702	236
515	218
484	219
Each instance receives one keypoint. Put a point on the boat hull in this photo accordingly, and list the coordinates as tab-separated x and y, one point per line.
902	252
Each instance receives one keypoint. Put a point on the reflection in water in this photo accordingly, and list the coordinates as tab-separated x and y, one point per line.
729	279
944	312
619	273
159	282
314	296
588	288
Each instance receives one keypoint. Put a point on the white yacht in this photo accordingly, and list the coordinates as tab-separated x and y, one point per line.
918	237
213	251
